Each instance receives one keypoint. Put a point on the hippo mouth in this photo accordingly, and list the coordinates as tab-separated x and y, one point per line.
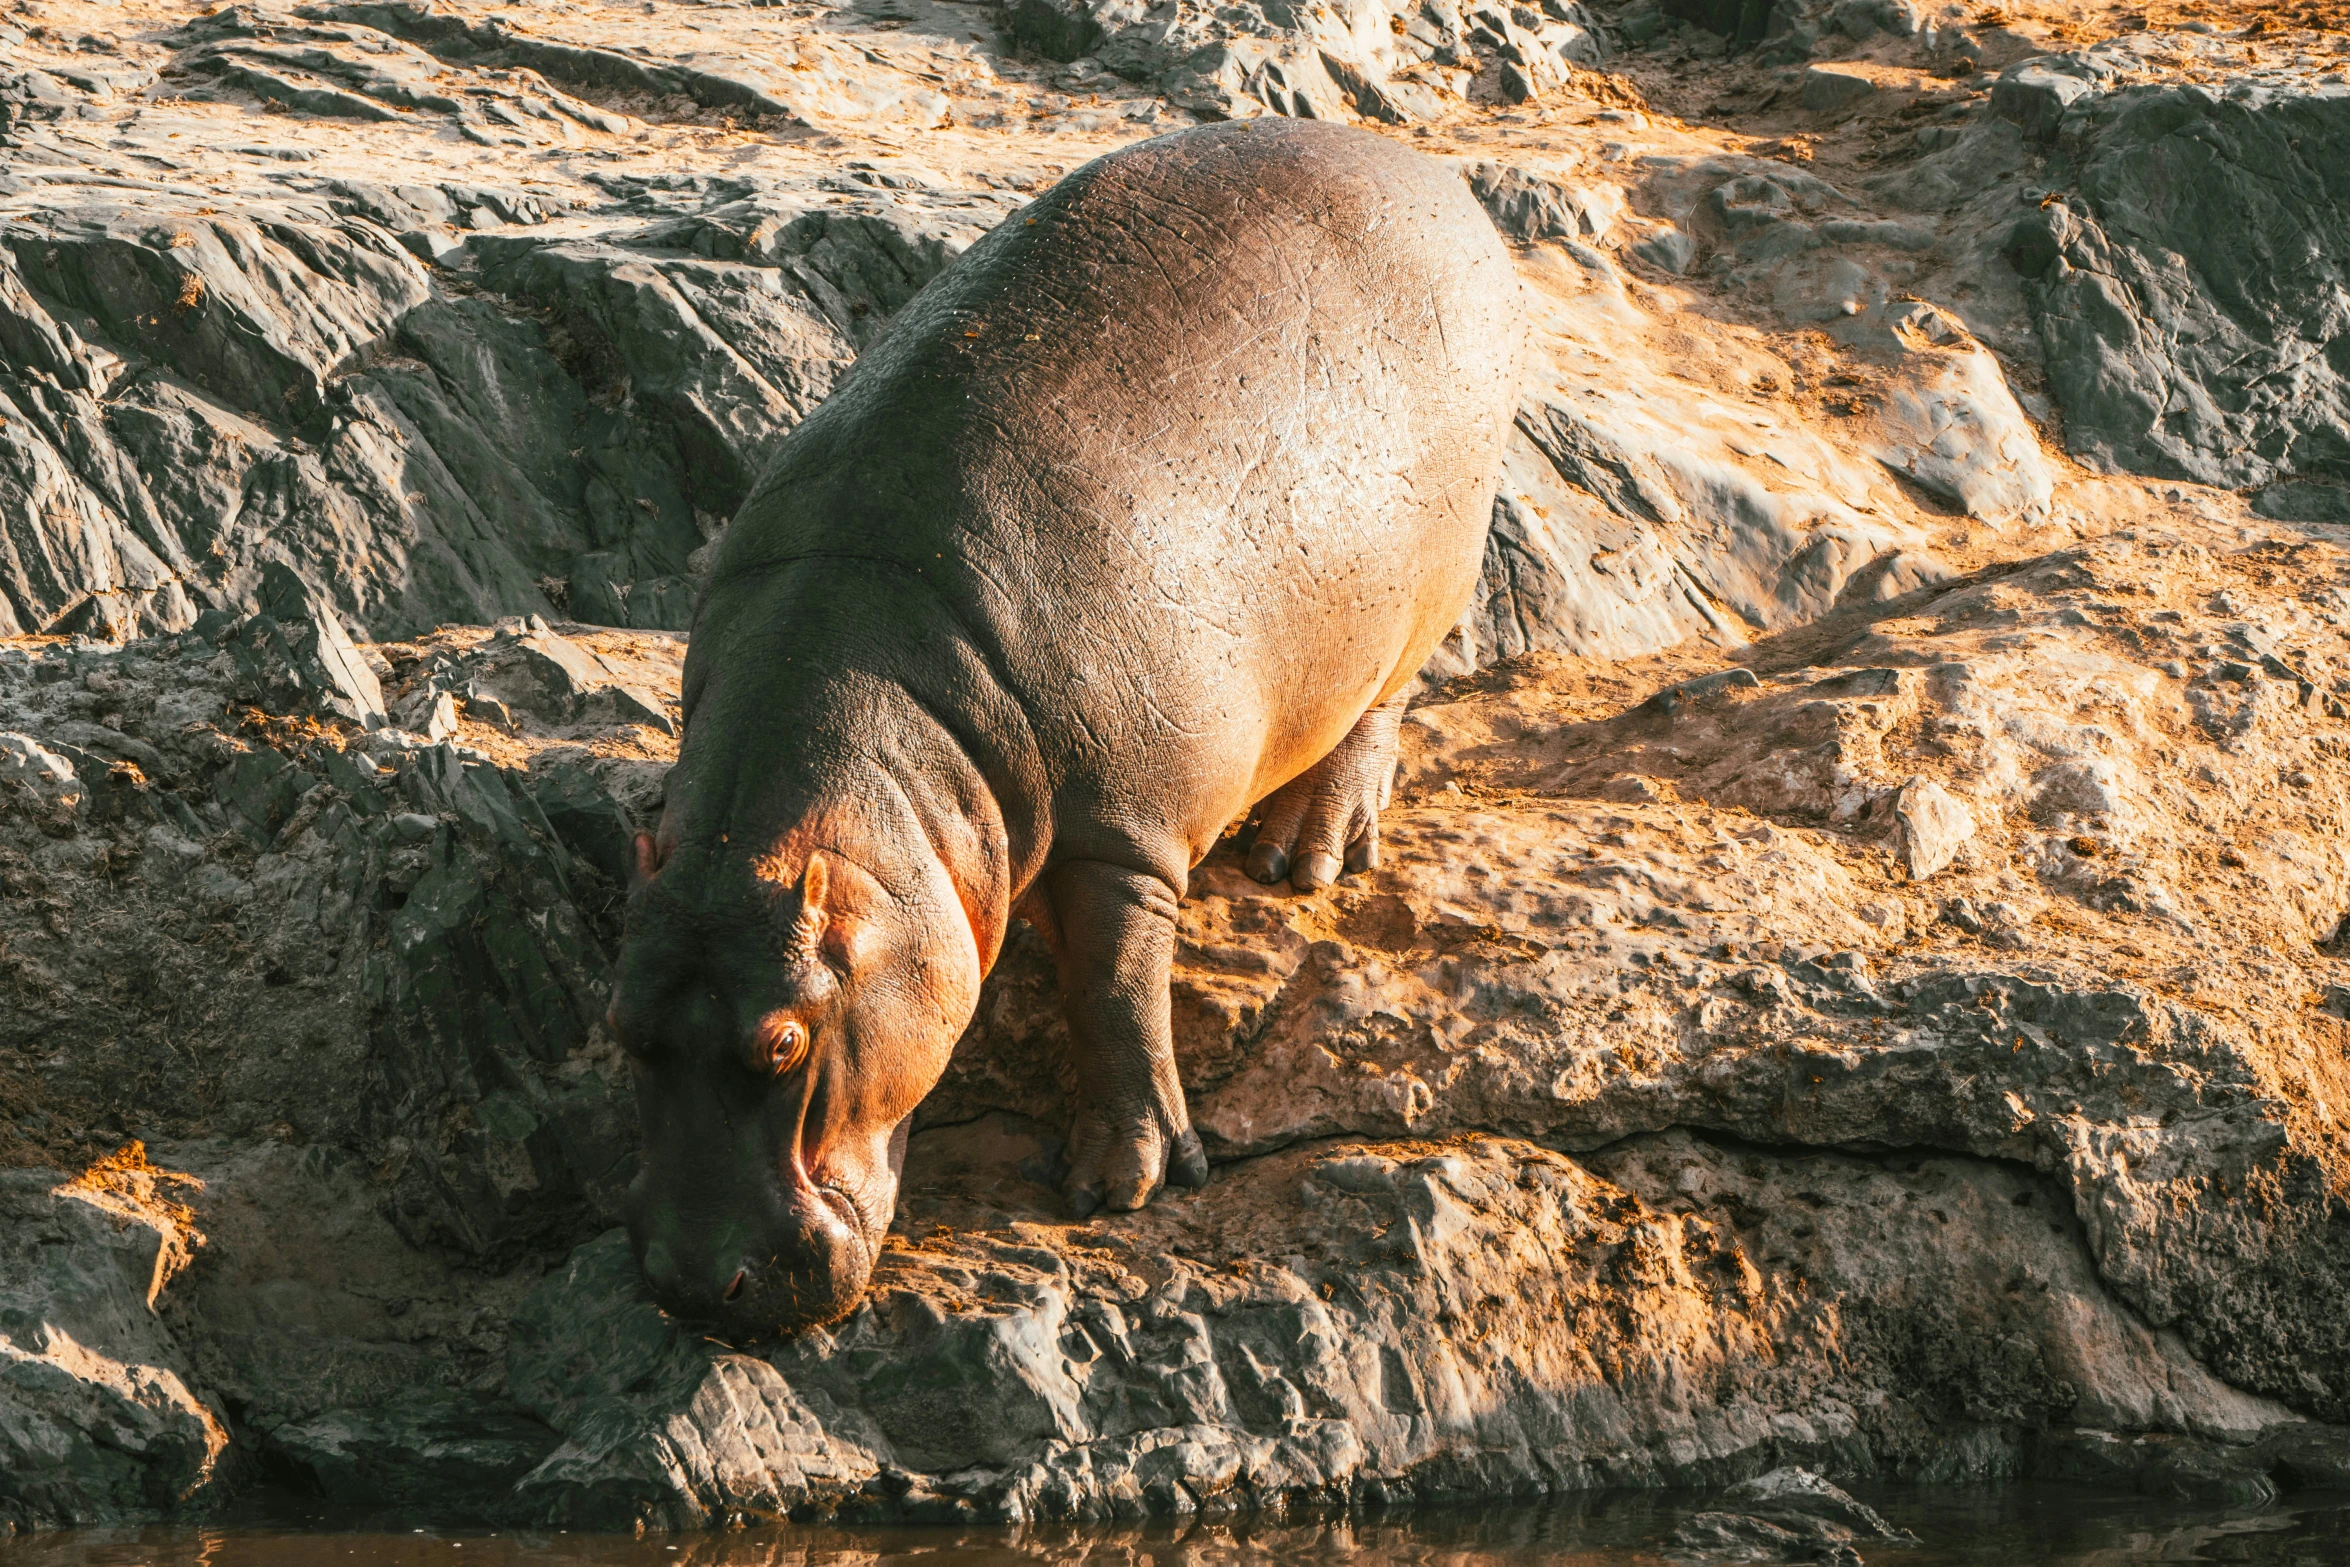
835	1194
817	1277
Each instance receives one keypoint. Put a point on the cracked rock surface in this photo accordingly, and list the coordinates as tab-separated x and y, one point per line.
1855	987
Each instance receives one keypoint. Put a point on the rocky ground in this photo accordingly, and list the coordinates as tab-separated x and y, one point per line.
1859	977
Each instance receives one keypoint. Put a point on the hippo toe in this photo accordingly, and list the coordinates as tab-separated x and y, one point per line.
1325	823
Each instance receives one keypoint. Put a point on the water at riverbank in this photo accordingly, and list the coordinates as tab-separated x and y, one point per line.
2019	1526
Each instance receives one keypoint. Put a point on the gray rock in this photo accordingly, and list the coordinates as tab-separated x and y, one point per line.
2180	310
1949	422
455	40
1789	1514
1932	825
27	96
437	718
2034	96
1893	576
2182	1471
1738	23
560	683
407	452
1642	22
561	674
296	652
1743	1537
1704	689
1864	19
1654	943
1010	1374
97	1422
431	1451
1767	226
588	819
1794	1493
1229	62
1626	920
1667	249
39	771
483	996
1828	88
1526	207
2300	501
110	746
1613	539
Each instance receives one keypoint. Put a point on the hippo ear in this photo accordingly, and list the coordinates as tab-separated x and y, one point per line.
807	928
645	863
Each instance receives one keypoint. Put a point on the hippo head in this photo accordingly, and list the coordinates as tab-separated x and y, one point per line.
783	1013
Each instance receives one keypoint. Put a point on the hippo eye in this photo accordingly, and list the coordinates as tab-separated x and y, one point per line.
787	1045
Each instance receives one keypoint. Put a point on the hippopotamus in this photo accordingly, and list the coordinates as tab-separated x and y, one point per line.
1145	512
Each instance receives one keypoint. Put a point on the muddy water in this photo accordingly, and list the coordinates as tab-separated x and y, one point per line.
2021	1526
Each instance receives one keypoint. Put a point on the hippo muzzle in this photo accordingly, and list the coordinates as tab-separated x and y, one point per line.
782	1255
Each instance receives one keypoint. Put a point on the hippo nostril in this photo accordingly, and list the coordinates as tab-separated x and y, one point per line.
734	1286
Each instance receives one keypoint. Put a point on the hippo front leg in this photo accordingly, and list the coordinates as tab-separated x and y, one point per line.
1116	943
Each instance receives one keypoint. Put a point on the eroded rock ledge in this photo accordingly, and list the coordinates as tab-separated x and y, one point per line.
1909	1051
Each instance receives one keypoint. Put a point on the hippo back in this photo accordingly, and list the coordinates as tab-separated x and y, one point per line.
1198	449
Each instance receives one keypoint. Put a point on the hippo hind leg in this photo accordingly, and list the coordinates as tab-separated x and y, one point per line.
1328	816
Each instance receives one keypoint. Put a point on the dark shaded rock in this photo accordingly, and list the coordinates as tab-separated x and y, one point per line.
1793	1494
2190	295
708	353
1864	19
1742	22
428	1450
2305	1457
2034	95
263	788
1526	207
1788	1514
97	1424
587	818
296	652
2182	1468
2297	501
1828	88
1058	32
1742	1537
485	993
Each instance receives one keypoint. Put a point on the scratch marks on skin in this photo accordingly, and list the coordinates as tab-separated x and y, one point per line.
1268	442
1195	613
1163	719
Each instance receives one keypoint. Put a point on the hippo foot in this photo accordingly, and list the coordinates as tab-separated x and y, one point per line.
1117	1160
1325	822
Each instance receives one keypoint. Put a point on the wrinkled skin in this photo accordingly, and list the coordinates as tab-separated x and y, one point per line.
1146	510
